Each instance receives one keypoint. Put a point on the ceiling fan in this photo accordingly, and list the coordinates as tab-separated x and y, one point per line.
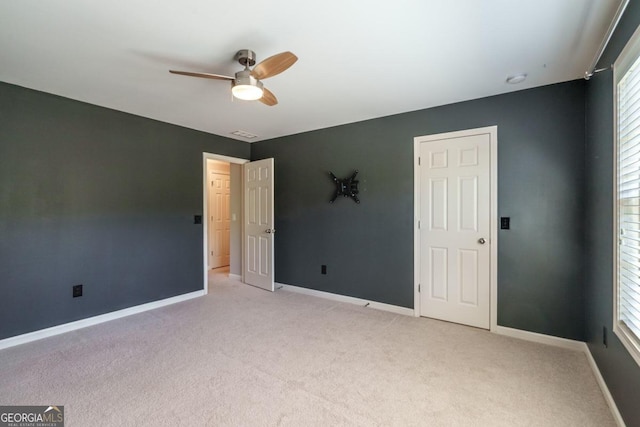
247	83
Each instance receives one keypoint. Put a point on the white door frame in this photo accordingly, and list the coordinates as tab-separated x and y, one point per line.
205	210
493	215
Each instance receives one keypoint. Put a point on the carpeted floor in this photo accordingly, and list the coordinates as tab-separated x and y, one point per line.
245	357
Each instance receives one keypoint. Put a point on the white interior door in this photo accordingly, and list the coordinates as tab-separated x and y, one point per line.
454	235
219	219
258	224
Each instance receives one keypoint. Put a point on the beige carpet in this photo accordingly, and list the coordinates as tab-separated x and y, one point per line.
245	357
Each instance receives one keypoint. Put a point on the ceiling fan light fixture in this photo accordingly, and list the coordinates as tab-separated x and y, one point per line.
246	87
247	92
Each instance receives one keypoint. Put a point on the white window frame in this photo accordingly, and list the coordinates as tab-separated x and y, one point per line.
627	58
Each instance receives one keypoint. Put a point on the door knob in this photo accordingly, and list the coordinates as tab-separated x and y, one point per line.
270	230
482	241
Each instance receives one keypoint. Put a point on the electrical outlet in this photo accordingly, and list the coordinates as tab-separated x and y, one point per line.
323	269
77	291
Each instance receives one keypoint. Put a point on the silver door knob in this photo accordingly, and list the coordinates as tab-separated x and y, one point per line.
482	241
270	230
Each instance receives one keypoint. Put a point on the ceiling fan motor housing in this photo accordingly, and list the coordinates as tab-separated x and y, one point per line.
246	57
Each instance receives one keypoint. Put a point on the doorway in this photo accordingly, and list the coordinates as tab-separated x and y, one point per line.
219	218
222	216
455	240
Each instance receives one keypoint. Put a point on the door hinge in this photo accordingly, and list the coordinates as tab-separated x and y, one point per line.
418	287
419	158
418	224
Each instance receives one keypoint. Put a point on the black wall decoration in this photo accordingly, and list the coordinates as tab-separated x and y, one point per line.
347	187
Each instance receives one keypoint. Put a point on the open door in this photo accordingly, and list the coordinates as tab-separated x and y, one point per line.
258	224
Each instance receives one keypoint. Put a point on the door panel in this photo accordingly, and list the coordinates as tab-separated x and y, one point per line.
258	225
454	204
439	273
468	203
438	195
468	276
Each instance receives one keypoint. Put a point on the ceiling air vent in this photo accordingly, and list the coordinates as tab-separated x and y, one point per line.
244	134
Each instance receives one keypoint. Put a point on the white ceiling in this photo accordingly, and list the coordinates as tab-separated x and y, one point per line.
357	59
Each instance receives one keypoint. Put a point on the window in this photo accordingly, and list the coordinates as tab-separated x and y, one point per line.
626	322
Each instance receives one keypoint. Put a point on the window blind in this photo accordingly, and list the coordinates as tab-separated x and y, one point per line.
629	201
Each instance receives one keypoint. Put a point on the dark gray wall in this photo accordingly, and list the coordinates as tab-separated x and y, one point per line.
368	248
619	370
94	196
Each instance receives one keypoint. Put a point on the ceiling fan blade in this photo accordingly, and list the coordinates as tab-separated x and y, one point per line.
205	75
274	65
268	98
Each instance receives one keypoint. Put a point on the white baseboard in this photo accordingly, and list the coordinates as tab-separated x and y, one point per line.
603	387
90	321
350	300
571	345
540	338
235	276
